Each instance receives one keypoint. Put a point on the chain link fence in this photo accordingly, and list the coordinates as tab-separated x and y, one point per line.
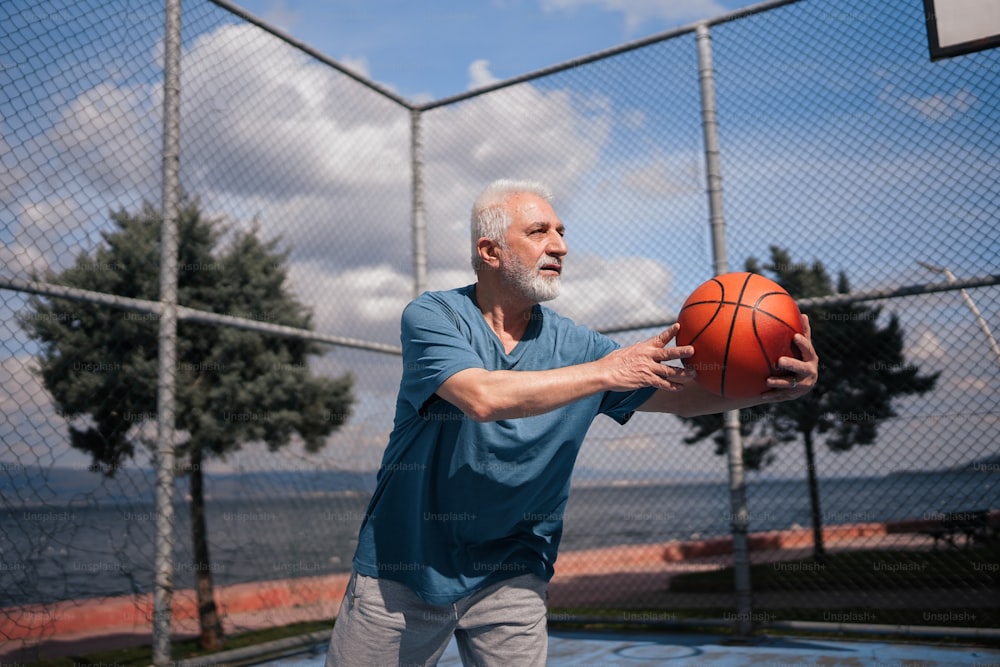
841	145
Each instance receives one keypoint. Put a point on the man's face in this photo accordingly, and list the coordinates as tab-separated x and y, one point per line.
532	261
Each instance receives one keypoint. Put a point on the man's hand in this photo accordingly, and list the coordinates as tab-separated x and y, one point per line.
642	364
693	399
803	373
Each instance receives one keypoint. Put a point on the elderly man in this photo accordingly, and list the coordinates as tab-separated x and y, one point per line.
497	394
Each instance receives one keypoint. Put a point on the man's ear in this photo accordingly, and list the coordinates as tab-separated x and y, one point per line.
489	252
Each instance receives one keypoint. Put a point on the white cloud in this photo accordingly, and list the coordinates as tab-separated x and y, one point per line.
318	158
323	163
263	118
638	12
23	260
111	137
480	75
21	384
927	347
661	175
31	429
635	119
364	301
975	386
358	65
619	291
279	15
13	172
450	278
46	222
941	107
48	236
555	136
936	108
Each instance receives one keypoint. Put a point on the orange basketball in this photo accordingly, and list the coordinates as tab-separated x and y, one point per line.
739	325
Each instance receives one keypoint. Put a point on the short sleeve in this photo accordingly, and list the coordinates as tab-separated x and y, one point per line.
621	405
436	345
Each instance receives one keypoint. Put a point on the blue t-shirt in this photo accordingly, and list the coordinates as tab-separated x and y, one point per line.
459	504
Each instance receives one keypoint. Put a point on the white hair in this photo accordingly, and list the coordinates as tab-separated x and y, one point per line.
490	215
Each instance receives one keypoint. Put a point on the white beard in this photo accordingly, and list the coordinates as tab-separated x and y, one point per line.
529	283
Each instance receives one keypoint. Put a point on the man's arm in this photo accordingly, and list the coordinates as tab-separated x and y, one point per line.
692	399
491	395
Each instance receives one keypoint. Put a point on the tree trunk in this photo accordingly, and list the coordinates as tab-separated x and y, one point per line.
212	638
819	553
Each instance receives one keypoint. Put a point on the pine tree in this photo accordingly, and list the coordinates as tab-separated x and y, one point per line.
233	386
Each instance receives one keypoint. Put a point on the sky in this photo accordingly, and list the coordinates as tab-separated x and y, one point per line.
840	139
437	48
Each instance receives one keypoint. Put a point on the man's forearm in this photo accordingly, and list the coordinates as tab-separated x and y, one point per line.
694	400
493	395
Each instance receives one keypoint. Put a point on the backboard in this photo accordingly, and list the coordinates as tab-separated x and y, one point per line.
956	27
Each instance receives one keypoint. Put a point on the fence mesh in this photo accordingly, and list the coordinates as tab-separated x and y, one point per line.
841	144
844	144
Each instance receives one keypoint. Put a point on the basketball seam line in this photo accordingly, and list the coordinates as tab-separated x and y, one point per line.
729	336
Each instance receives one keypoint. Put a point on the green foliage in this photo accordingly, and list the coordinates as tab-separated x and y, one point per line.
233	386
862	372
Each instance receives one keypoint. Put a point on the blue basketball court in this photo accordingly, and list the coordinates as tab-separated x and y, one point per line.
578	649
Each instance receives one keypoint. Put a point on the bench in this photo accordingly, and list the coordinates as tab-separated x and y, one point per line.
976	526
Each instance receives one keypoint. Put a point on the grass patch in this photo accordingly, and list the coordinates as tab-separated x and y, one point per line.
972	568
142	656
686	621
805	586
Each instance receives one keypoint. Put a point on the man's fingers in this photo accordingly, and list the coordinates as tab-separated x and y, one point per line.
803	341
675	377
646	363
661	339
682	352
806	349
665	353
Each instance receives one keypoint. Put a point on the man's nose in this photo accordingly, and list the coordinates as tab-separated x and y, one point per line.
557	244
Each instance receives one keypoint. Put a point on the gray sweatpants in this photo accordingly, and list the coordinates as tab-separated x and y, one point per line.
384	623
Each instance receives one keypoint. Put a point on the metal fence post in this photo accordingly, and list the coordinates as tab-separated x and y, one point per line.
734	444
163	590
419	220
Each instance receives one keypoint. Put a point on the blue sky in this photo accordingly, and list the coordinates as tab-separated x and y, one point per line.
431	49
